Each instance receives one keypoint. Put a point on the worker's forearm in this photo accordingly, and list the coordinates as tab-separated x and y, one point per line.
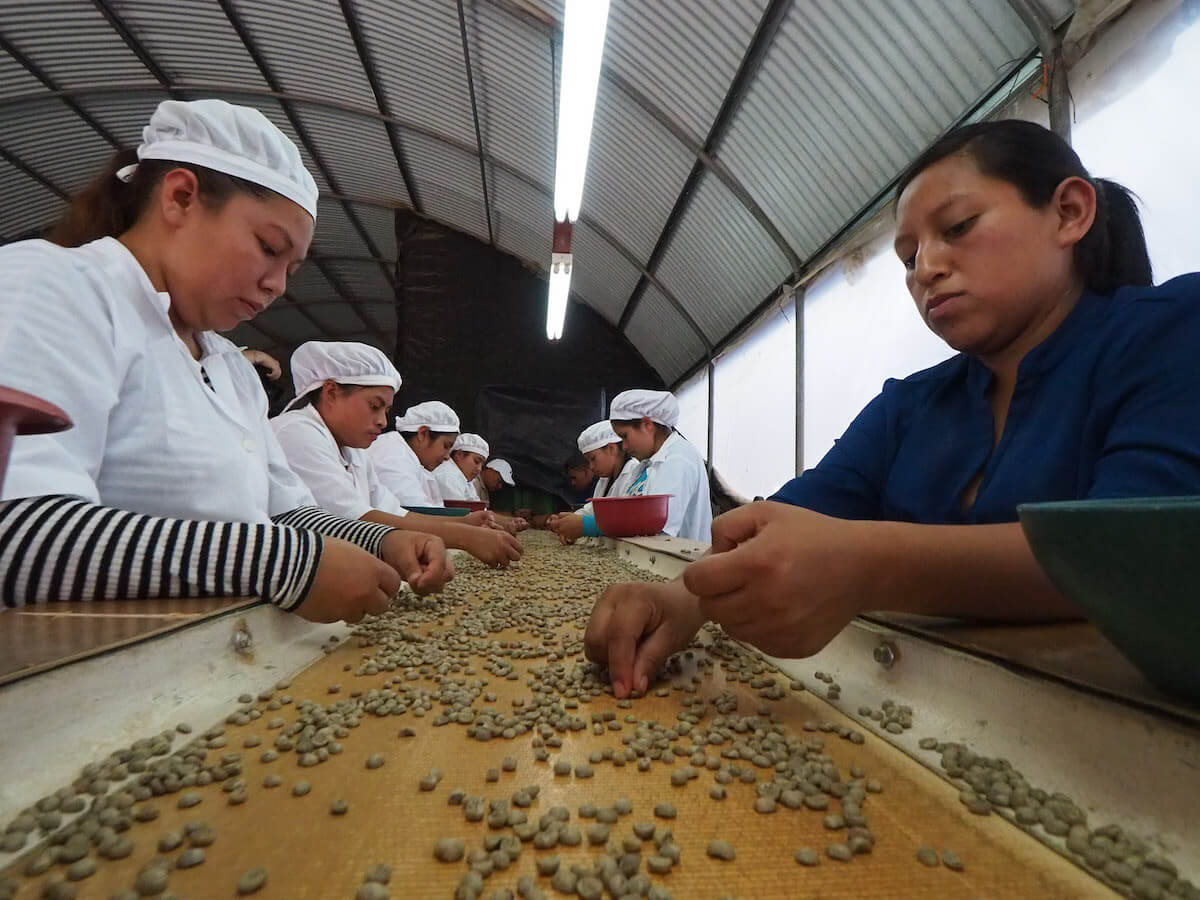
453	535
967	571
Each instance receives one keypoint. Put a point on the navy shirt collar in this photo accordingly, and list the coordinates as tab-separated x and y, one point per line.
1043	358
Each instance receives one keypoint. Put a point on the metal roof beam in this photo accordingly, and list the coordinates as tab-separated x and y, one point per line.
17	163
37	72
673	126
135	46
751	62
342	257
707	159
864	212
282	96
260	61
368	64
487	204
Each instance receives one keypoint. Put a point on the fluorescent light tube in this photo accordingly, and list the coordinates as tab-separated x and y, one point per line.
584	25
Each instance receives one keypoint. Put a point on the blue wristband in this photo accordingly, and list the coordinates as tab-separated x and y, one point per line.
590	529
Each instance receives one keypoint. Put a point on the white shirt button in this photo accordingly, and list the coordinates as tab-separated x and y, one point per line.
248	445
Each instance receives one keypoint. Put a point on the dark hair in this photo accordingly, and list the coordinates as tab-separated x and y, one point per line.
311	398
433	435
576	461
1036	161
108	206
659	428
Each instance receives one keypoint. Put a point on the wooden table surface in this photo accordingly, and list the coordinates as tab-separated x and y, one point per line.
36	638
311	854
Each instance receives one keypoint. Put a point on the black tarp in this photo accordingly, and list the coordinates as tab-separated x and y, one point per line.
471	331
535	430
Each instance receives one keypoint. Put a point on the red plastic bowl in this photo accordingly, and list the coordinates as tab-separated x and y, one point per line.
472	505
637	516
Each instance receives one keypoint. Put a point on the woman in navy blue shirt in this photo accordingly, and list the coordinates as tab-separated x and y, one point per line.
1075	379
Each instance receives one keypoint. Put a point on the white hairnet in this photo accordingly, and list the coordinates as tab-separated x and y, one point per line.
504	469
596	436
433	414
345	362
659	406
472	443
236	140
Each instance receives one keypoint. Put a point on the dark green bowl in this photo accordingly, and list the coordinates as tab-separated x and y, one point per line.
439	511
1133	567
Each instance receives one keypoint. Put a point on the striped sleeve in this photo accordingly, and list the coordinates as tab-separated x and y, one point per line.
368	535
64	548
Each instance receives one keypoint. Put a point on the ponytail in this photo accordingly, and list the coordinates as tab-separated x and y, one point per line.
1113	253
109	206
1036	161
106	207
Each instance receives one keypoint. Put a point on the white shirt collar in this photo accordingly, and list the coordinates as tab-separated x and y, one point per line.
672	439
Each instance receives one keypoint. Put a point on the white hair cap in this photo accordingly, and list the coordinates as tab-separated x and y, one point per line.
658	406
346	362
596	436
472	443
504	469
432	414
236	140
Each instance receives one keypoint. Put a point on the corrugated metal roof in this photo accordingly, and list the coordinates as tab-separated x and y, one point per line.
835	101
308	48
335	235
15	79
833	114
523	217
448	181
510	59
192	40
55	142
381	226
417	50
680	53
719	263
26	204
124	115
357	151
635	172
663	337
365	280
601	275
70	41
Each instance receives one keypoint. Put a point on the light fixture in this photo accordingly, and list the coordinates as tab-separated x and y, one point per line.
584	26
556	308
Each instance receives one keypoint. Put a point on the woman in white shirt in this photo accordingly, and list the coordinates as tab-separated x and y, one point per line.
405	459
343	392
606	457
171	483
455	476
645	421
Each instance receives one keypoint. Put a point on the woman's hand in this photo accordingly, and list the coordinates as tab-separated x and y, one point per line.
266	360
568	527
635	627
783	578
350	583
495	548
484	518
420	559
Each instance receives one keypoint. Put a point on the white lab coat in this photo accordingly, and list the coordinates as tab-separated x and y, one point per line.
402	473
342	479
85	329
620	485
678	469
453	483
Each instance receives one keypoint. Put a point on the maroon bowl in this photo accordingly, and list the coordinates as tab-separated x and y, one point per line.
637	516
472	505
